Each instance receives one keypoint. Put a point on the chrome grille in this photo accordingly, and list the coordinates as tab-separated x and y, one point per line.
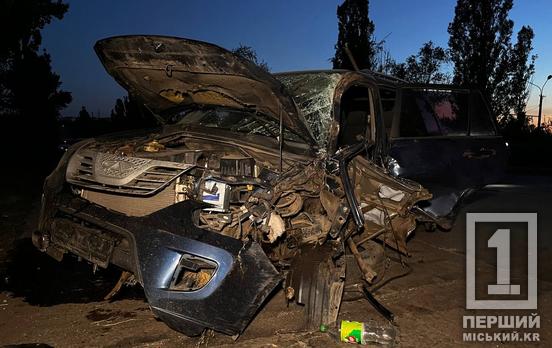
132	205
122	174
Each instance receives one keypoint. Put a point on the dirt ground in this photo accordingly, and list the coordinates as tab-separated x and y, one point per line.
48	304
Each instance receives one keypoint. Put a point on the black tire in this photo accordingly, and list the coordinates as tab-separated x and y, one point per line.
325	293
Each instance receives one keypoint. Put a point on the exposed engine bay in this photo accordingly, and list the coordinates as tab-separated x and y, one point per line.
247	197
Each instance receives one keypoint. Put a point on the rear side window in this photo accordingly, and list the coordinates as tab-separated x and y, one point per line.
417	119
427	112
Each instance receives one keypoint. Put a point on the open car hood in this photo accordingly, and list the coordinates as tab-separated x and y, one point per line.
168	72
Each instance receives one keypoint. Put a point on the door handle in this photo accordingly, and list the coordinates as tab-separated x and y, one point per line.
482	153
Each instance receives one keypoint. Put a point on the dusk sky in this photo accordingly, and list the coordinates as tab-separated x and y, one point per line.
288	35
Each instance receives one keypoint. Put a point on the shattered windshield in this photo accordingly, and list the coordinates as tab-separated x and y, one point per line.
234	121
313	93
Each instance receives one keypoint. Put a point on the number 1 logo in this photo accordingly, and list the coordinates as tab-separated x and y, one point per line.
501	241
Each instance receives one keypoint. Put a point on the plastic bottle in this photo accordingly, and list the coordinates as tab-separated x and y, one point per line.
362	333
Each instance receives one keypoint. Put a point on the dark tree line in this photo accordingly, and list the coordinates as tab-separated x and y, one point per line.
30	94
129	113
484	56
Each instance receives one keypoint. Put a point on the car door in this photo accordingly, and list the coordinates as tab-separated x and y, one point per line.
485	153
444	138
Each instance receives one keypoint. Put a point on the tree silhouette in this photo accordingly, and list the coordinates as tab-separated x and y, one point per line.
118	113
355	32
523	70
248	53
84	115
482	52
30	98
425	67
129	113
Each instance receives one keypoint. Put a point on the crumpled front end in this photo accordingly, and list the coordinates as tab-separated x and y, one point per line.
192	278
210	227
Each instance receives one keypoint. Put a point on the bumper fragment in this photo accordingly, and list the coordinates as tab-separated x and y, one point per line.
243	275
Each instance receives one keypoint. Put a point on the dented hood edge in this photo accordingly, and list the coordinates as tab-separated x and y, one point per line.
170	72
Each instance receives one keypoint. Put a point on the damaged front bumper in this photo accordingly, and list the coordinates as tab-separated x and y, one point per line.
158	248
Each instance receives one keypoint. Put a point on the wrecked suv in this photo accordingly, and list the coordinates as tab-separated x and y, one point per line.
253	181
